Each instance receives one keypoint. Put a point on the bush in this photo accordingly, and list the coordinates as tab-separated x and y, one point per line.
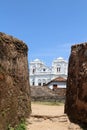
21	126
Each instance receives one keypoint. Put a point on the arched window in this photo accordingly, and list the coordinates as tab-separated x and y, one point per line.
44	69
33	71
58	69
39	82
33	82
44	82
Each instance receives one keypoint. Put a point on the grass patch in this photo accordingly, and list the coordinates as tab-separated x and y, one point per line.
21	126
48	103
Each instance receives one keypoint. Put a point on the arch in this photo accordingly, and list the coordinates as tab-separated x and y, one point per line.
33	82
39	82
44	81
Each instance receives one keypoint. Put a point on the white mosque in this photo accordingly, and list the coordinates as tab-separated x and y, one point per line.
40	74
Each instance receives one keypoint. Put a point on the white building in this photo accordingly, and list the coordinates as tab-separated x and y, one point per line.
58	82
40	74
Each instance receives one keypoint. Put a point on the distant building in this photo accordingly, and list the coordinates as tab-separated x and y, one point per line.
40	74
56	83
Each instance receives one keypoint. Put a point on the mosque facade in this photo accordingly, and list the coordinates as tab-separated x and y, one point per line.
41	74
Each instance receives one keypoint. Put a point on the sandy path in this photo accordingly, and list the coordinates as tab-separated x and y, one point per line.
52	123
40	109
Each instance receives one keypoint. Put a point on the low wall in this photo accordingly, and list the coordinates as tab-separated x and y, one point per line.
43	93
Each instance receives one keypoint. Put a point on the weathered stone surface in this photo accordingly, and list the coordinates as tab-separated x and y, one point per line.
76	95
43	93
14	81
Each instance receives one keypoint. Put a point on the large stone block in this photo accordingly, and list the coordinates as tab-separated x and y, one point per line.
76	94
14	81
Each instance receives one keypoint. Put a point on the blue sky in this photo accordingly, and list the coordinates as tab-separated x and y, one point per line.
48	27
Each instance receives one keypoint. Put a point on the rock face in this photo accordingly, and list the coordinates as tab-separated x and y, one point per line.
76	95
14	81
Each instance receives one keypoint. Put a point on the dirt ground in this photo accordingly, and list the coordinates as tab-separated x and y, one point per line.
46	117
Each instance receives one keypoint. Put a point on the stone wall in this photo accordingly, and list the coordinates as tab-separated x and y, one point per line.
76	95
14	81
43	93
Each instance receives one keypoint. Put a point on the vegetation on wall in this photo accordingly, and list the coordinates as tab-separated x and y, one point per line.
21	126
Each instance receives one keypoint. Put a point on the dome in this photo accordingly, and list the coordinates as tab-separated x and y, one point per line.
37	60
60	58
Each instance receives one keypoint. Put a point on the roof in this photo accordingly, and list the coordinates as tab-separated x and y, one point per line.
58	79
